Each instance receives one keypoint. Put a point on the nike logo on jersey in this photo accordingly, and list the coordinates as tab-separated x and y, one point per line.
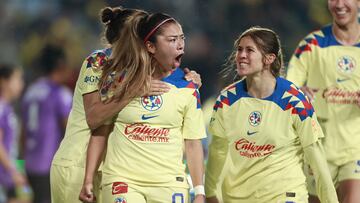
339	80
144	117
251	133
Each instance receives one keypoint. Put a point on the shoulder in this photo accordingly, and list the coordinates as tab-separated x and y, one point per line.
290	98
64	94
97	58
230	94
177	78
320	38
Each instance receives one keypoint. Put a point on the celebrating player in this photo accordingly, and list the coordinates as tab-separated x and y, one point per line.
266	125
326	67
144	156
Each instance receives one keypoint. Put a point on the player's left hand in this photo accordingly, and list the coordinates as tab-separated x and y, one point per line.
191	75
199	199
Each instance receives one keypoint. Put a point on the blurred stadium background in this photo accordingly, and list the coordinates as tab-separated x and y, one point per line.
210	27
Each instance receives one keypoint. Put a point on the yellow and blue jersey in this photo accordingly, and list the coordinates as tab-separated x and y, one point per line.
146	145
73	147
320	61
265	139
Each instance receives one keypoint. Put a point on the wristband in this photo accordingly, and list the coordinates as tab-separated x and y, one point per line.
199	190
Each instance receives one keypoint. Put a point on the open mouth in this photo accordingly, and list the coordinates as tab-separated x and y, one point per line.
178	58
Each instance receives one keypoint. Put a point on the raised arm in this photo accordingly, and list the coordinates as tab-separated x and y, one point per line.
98	112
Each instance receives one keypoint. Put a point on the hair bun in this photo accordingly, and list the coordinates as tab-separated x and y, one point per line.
107	15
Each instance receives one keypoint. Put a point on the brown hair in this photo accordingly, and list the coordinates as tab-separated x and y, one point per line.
267	41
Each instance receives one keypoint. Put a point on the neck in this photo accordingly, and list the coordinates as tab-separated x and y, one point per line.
261	86
160	73
347	35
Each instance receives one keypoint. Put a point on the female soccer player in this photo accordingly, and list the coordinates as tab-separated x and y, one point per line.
326	67
266	125
11	86
144	156
88	112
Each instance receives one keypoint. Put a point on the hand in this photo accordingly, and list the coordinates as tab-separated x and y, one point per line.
86	194
212	200
18	178
157	87
199	199
192	76
309	92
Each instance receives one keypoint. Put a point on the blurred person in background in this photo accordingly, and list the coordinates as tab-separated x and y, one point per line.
265	125
45	108
89	112
326	65
144	154
11	86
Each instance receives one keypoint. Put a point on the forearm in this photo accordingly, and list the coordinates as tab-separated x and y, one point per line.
195	159
97	112
4	159
96	147
315	156
217	156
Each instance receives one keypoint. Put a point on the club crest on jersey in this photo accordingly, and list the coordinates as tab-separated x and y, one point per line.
120	200
255	118
152	103
346	64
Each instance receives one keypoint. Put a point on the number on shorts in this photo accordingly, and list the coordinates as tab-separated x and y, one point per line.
178	196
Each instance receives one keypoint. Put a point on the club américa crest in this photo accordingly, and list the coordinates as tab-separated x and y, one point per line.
346	64
255	118
152	103
120	200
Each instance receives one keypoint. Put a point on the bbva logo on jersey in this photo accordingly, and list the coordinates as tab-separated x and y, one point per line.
152	103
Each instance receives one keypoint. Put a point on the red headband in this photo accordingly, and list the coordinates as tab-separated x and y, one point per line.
155	28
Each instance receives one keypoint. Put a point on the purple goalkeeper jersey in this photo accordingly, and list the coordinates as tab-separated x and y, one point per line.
44	108
9	128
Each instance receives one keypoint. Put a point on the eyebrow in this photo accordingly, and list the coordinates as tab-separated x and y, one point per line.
174	35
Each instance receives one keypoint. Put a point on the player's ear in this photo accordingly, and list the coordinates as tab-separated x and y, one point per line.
269	59
150	47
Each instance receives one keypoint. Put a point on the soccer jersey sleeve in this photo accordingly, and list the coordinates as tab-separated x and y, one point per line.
308	129
216	126
194	127
217	152
91	72
315	156
299	63
217	156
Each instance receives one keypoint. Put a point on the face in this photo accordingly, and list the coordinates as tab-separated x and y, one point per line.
169	46
249	59
16	84
344	12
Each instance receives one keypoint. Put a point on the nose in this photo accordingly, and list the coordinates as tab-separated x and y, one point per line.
339	3
240	54
181	44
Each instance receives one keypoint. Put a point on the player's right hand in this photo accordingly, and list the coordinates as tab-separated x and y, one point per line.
18	178
309	92
86	194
